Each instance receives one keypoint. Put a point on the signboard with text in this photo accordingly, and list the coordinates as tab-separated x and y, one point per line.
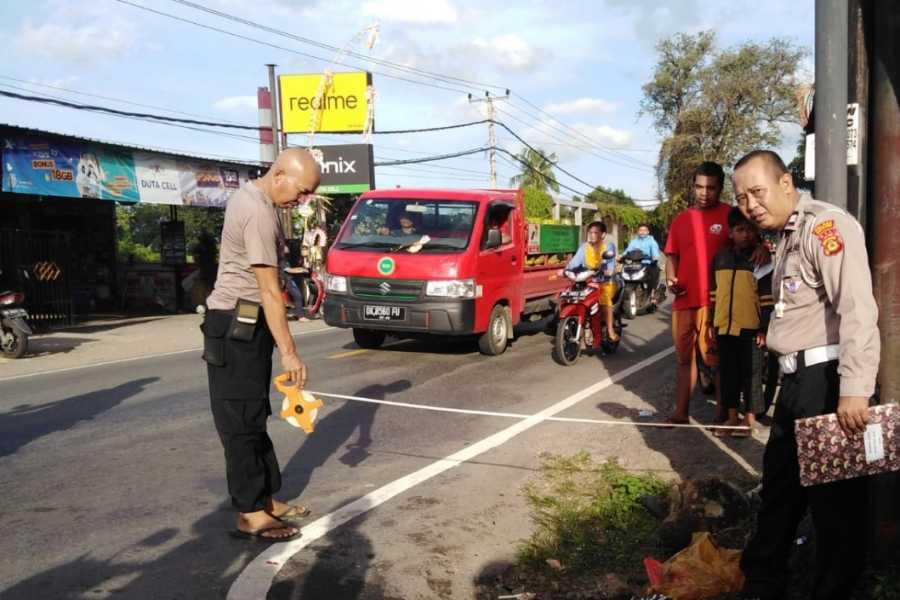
346	168
308	105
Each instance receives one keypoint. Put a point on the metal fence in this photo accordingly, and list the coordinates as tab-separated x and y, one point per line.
38	263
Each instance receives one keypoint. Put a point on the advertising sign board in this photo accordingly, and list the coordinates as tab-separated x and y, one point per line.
346	168
343	107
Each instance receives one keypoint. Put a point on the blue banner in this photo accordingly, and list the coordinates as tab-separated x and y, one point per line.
50	169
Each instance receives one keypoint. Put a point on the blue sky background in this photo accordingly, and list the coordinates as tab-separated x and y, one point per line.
583	62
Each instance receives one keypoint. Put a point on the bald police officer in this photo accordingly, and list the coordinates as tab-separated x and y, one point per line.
246	318
824	329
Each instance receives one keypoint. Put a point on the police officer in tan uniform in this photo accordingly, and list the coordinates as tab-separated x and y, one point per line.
824	329
245	320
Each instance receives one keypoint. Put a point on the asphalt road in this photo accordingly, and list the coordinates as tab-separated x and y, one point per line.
112	477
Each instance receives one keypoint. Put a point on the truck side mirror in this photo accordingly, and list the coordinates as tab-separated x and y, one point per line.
494	239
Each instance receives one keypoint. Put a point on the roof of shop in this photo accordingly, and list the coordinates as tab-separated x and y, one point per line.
28	131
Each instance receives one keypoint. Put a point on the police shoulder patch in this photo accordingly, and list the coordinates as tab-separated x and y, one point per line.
829	237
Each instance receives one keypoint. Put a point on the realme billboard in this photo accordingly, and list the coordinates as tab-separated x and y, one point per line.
343	108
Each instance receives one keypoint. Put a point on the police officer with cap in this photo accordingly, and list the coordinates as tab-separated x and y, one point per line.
825	331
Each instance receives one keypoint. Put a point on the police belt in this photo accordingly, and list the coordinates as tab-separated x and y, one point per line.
812	356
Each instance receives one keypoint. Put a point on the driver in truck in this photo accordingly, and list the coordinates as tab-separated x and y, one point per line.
593	255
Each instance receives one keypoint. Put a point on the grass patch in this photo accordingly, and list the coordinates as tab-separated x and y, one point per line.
588	515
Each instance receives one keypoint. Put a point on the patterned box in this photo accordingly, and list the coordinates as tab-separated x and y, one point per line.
825	454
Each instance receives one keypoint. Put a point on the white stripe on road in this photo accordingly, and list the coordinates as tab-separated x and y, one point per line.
134	358
256	579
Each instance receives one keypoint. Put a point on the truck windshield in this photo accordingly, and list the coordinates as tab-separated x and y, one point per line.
409	225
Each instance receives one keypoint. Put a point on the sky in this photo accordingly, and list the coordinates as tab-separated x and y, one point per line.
575	69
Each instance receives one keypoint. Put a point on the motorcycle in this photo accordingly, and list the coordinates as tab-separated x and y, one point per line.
638	293
580	327
14	329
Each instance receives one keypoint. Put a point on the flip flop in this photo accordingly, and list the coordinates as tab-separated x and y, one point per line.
259	535
743	432
294	513
720	433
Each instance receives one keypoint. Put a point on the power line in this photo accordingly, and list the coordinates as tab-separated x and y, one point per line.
110	98
124	113
386	63
282	48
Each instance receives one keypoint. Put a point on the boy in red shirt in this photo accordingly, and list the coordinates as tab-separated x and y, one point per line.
695	236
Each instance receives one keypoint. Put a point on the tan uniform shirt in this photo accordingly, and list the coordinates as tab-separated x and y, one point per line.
251	235
824	285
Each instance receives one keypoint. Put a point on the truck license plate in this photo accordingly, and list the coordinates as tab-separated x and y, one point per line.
384	313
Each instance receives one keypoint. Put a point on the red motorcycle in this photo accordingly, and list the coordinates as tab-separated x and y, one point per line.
580	325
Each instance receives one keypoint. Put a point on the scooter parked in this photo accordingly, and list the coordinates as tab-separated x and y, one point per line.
14	329
580	325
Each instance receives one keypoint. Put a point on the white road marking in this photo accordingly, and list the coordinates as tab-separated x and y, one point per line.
134	358
256	579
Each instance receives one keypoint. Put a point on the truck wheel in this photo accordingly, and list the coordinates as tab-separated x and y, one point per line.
493	342
366	338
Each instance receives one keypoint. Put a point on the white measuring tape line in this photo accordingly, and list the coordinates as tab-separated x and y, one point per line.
506	415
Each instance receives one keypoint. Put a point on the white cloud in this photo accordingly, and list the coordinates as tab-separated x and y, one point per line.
607	136
85	45
582	105
412	11
236	103
654	20
508	51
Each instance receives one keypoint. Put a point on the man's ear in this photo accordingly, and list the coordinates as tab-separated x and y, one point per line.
786	182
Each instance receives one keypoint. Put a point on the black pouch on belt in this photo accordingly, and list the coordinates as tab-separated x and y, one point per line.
245	320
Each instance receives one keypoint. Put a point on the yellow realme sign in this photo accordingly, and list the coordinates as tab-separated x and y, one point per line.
340	107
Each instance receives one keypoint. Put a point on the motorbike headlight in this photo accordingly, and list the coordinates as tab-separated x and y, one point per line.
452	288
336	283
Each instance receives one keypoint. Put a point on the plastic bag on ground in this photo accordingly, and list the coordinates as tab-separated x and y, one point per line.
702	570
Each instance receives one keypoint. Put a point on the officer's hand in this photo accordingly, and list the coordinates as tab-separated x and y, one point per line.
760	339
292	365
761	256
711	334
852	414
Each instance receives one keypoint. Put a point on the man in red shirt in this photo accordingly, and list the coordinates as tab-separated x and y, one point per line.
695	236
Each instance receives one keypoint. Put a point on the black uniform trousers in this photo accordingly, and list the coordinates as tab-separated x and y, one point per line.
738	370
838	509
239	377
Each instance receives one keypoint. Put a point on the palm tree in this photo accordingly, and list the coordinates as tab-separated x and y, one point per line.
537	170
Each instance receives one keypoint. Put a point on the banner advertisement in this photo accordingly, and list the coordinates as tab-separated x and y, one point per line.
32	166
50	169
343	107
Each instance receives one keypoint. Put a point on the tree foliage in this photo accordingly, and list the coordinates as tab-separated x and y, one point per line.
710	104
605	195
538	204
537	170
138	228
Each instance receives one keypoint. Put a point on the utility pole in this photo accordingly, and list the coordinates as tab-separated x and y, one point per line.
831	101
492	135
279	141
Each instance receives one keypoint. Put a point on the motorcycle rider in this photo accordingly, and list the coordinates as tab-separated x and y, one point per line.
647	244
590	256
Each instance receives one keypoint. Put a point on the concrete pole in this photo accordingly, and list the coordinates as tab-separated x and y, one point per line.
276	108
831	101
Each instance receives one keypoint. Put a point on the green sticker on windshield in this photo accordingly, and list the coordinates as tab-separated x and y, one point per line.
386	265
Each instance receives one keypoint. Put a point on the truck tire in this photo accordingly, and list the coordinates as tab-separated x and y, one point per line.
494	341
366	338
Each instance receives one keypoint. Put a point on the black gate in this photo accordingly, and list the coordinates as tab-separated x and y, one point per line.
38	264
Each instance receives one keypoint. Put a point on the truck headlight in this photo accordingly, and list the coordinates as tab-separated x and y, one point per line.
452	288
336	283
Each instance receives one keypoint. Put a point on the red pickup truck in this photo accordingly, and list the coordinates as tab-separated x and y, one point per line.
435	261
